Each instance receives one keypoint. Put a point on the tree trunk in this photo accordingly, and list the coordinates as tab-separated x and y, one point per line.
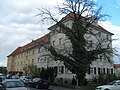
81	79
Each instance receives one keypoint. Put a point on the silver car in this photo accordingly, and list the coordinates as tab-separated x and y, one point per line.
13	84
115	85
26	79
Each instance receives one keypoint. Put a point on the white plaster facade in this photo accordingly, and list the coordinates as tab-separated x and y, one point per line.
60	41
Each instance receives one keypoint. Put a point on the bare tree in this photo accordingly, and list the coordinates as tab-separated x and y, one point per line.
31	70
86	44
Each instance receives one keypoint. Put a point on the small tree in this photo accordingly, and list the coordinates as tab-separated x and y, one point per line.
31	70
50	73
84	50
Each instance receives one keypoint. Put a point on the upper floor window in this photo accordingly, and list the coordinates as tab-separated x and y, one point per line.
33	51
21	62
32	60
39	50
61	30
26	57
60	41
107	37
53	43
53	32
38	60
99	34
45	59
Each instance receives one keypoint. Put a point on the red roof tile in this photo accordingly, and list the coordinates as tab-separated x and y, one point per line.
117	65
34	43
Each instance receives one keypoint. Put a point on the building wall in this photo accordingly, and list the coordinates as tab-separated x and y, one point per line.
20	60
100	66
10	62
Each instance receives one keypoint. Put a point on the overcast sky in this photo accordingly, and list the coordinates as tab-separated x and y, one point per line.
18	24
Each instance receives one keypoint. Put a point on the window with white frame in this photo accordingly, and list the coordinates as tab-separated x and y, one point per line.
39	50
99	34
38	60
91	70
45	59
61	69
60	41
53	43
107	36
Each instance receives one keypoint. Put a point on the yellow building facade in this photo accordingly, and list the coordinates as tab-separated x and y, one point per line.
25	55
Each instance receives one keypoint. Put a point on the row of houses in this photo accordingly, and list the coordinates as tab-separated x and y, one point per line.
35	53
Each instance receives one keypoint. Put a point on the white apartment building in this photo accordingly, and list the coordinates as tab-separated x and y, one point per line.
60	41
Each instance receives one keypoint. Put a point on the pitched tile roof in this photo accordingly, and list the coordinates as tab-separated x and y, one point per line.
117	65
70	16
34	43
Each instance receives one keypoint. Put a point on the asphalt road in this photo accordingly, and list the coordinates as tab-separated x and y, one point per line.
62	88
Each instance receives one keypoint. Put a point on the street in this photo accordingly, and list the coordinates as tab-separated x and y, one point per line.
62	88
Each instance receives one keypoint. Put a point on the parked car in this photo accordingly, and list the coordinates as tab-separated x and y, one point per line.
115	85
2	77
39	83
26	79
13	84
15	77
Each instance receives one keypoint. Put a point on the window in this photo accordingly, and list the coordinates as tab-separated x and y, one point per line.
91	70
107	70
38	60
61	69
91	43
27	52
98	70
53	31
107	37
111	71
99	34
53	43
45	59
61	30
39	50
33	51
60	41
26	57
22	55
32	60
103	70
94	70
